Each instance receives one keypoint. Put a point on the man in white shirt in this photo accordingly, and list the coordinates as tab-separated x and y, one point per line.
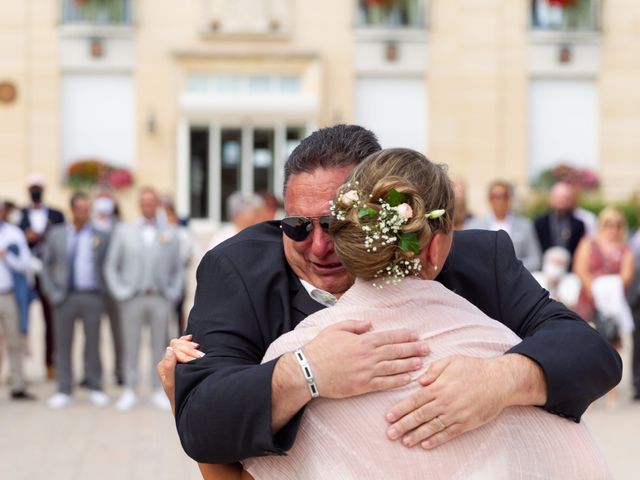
14	257
520	229
145	274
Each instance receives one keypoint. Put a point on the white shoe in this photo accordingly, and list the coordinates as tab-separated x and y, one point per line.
98	398
160	401
127	401
60	400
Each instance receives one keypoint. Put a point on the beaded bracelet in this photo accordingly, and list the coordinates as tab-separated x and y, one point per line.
306	371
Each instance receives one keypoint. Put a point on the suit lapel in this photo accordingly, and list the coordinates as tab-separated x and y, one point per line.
300	299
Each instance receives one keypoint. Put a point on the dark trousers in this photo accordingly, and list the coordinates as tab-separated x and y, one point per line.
47	313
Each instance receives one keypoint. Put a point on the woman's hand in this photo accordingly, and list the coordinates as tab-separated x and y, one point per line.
181	350
185	349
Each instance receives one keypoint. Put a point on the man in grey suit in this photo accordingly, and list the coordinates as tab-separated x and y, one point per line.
520	229
144	273
73	258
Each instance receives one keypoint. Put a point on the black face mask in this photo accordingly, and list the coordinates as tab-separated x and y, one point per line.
36	195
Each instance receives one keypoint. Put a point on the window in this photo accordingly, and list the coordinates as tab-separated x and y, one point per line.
390	13
224	159
382	101
248	17
563	124
98	118
565	15
99	12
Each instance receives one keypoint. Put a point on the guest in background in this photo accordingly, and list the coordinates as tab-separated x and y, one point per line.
605	254
633	296
188	250
519	228
589	219
73	260
461	214
274	210
14	257
559	227
105	218
562	285
22	281
144	272
244	210
37	218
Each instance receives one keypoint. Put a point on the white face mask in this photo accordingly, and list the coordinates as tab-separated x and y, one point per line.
553	270
15	216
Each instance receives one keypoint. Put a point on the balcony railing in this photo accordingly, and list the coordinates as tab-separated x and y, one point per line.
96	12
390	14
565	15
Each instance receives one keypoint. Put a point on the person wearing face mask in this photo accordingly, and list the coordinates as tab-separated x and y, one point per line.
36	220
561	284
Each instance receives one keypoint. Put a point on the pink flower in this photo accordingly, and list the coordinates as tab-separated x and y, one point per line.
405	211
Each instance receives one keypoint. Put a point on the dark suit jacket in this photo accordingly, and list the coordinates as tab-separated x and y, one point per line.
54	217
247	296
543	229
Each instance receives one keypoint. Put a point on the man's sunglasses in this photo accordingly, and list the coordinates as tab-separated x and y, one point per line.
298	228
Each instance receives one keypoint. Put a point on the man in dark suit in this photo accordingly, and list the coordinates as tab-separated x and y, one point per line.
37	218
260	284
73	260
633	297
559	227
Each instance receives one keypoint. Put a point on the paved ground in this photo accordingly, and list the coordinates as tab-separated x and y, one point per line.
85	442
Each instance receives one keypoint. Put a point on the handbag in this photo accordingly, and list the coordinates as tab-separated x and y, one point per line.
607	327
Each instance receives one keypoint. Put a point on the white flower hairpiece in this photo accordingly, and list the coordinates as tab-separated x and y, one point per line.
386	229
433	214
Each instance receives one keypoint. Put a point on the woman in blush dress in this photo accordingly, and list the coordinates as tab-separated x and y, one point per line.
606	253
393	232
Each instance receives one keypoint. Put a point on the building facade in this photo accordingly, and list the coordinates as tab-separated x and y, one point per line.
204	97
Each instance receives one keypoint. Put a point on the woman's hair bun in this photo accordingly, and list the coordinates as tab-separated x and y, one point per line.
388	185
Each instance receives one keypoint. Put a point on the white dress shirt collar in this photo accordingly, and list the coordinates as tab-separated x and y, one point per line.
321	296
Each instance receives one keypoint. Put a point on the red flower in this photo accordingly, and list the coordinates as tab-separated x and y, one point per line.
563	3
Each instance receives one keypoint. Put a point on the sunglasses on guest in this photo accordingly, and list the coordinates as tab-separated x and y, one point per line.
298	228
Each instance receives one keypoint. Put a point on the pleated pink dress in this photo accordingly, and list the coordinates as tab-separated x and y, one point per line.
345	439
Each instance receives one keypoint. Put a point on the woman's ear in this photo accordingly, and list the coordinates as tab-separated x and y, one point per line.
436	253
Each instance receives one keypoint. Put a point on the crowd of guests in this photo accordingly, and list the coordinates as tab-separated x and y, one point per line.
93	265
590	263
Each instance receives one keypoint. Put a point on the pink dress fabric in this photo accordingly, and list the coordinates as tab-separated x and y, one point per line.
345	439
600	263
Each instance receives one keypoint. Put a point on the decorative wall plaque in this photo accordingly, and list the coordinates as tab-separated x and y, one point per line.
7	92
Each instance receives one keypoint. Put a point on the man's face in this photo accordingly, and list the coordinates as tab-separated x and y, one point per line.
562	198
148	205
314	259
499	200
81	211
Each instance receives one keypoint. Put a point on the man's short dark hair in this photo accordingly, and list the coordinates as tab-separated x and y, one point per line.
77	196
331	147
